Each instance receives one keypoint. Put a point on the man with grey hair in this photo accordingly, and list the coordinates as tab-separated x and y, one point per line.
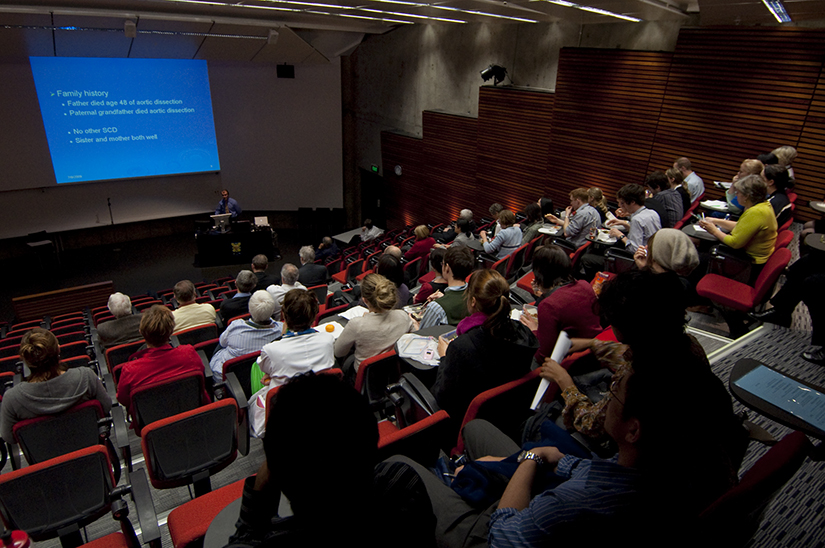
326	249
124	328
289	281
393	250
449	234
190	314
311	274
245	336
238	304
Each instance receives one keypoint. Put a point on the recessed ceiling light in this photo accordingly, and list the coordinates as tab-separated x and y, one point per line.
591	9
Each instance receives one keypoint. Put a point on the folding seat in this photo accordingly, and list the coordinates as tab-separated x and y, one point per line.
783	239
72	349
375	374
422	429
189	522
9	364
72	337
352	266
242	367
155	401
412	270
188	448
215	292
740	296
734	518
223	281
25	326
330	312
102	317
320	293
11	350
80	316
227	294
57	497
146	305
77	327
118	355
208	347
50	436
195	335
363	275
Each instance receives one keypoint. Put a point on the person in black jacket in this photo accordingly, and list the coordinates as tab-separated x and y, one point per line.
490	350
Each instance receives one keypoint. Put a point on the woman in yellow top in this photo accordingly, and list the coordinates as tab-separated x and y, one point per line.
755	231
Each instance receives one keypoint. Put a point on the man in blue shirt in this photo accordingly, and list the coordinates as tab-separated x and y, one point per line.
227	205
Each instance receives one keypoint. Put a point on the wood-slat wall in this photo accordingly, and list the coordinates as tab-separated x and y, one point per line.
734	93
809	168
450	157
404	194
724	95
513	140
604	118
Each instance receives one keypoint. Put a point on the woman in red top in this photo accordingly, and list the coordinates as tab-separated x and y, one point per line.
565	305
423	243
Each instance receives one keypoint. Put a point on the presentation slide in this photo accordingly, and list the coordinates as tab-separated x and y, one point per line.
123	118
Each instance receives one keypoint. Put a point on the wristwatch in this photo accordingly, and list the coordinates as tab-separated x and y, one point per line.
529	455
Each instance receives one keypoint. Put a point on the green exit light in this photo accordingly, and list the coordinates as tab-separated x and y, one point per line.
374	168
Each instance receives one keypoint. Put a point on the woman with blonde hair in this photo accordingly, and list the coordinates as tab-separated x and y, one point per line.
51	388
377	331
423	243
490	348
596	198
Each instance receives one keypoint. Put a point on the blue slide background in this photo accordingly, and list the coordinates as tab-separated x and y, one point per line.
185	141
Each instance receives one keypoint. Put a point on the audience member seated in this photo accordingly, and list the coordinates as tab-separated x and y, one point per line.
369	231
439	283
245	336
748	167
546	205
776	177
667	198
677	182
532	224
449	307
378	330
463	233
506	240
596	198
557	498
189	313
159	361
259	265
565	304
289	279
326	249
448	234
642	224
695	184
311	274
490	350
673	252
124	328
785	156
238	304
302	348
495	210
391	268
755	231
350	502
580	217
50	388
642	307
423	243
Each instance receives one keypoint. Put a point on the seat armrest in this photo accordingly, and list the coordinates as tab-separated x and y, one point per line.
109	383
147	517
233	387
209	381
14	456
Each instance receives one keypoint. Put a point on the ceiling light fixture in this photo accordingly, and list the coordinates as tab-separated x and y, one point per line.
457	10
778	10
600	11
294	10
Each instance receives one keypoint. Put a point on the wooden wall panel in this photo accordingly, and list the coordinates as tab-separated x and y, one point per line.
404	192
513	144
734	93
450	156
604	118
809	168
